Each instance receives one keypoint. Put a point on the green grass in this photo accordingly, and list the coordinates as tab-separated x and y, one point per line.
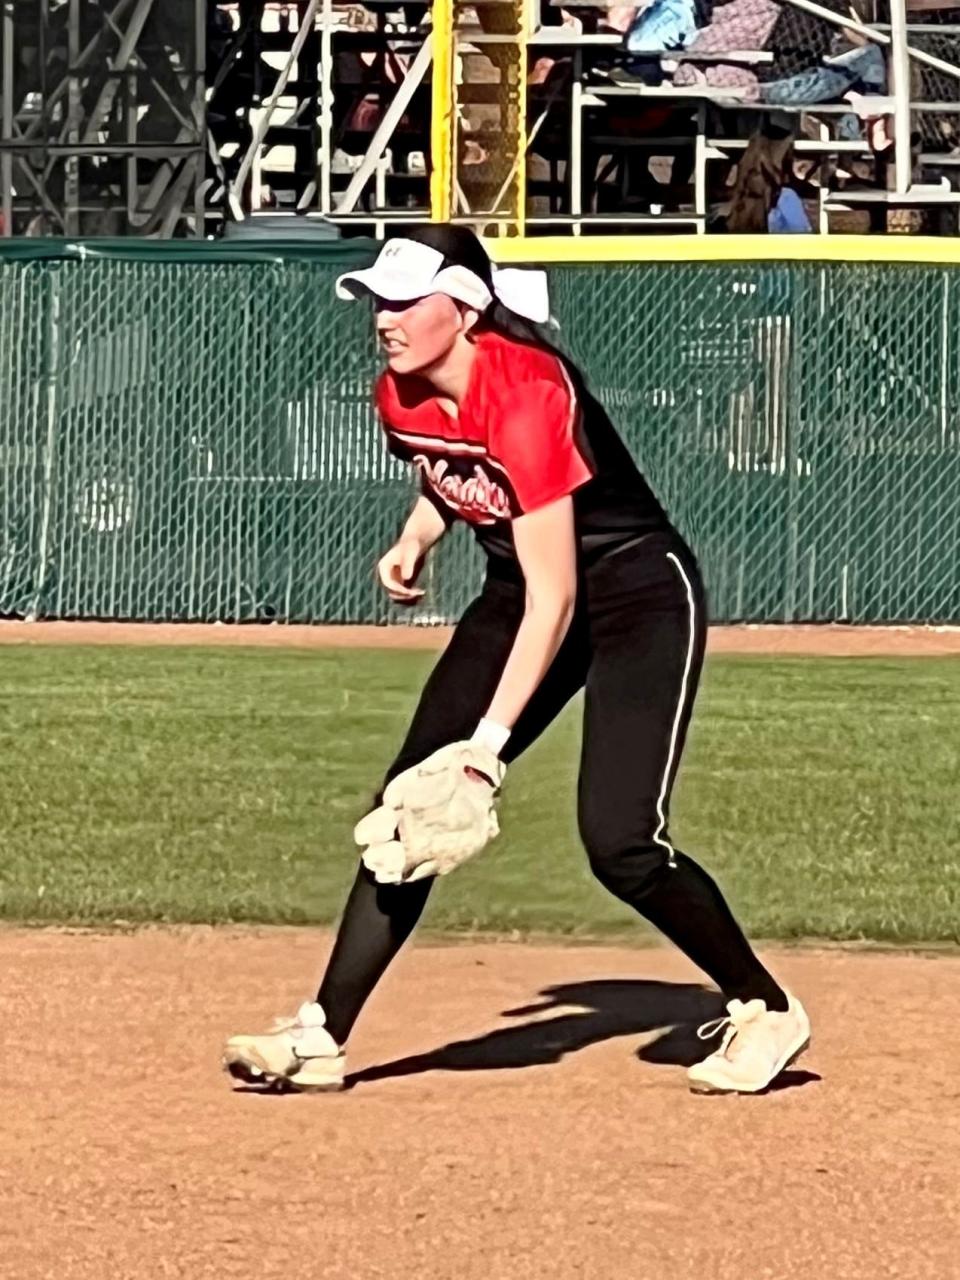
215	785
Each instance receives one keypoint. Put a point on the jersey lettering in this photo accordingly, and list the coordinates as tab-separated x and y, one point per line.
475	497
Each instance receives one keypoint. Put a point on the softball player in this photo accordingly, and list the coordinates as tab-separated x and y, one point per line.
588	586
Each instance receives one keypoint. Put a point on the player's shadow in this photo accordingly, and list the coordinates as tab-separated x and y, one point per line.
591	1012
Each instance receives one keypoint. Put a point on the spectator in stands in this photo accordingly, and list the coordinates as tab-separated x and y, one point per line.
807	65
860	68
742	25
763	199
855	72
662	25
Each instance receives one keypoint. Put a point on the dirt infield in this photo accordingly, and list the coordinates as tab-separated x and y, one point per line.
492	1131
823	641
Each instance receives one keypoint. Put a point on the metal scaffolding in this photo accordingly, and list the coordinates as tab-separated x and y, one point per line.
337	109
102	124
164	117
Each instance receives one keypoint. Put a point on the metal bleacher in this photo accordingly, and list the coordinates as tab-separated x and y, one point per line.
519	117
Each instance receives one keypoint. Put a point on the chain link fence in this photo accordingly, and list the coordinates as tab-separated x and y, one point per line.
186	433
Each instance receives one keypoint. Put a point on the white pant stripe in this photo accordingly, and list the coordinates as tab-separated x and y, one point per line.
659	835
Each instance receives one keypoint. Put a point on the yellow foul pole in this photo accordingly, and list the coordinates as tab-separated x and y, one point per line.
442	125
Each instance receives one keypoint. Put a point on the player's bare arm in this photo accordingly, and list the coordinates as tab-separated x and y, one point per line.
547	552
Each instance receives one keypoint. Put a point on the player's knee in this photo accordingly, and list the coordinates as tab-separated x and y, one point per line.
629	867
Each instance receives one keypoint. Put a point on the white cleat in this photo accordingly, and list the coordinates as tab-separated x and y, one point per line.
299	1054
757	1045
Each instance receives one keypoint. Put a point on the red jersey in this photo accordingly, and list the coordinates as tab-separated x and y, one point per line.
524	437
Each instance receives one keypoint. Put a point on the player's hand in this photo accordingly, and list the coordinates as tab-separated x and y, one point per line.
399	569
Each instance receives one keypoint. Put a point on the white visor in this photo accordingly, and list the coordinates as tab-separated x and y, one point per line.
406	270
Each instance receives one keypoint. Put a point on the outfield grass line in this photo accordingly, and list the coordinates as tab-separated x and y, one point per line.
800	639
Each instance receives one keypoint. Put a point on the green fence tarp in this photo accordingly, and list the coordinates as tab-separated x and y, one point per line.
186	432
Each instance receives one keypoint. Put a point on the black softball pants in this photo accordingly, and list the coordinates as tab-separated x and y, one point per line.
636	648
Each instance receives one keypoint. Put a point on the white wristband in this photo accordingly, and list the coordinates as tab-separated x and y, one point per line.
491	735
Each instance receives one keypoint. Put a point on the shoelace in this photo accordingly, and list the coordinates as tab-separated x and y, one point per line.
707	1030
714	1027
731	1024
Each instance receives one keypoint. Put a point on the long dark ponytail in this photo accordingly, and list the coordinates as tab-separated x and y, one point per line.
762	173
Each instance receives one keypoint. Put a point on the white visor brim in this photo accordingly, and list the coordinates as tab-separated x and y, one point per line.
404	271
